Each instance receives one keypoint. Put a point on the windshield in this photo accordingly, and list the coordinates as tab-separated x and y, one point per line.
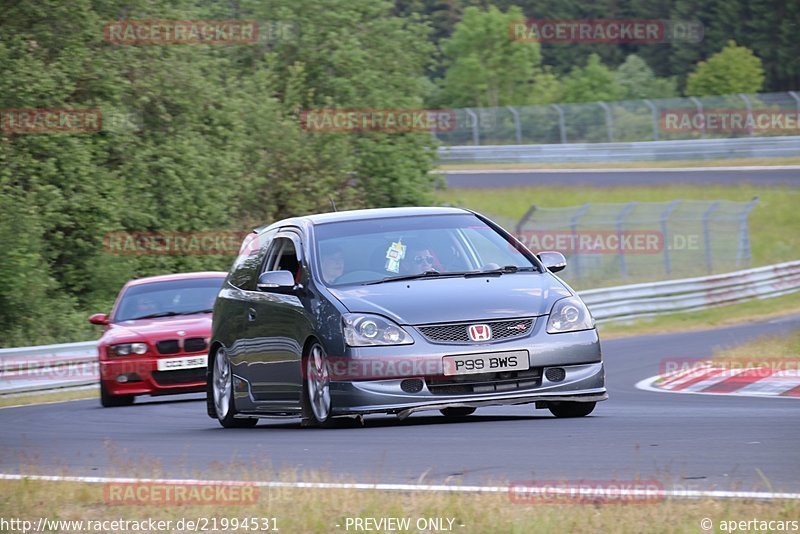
166	299
359	252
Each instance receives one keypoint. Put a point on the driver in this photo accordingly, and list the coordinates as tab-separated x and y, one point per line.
421	259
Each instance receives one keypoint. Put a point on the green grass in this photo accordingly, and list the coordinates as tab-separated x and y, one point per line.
774	223
321	510
24	399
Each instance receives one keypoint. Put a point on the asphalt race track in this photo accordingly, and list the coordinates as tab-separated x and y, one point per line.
685	441
766	176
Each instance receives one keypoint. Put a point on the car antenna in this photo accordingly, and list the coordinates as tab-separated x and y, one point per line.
333	204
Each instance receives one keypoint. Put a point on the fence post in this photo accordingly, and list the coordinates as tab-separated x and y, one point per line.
561	123
517	126
573	225
623	268
793	94
475	136
665	233
654	111
743	250
699	106
524	219
707	235
749	113
609	121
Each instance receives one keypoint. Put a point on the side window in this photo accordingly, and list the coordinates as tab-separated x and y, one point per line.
282	256
246	267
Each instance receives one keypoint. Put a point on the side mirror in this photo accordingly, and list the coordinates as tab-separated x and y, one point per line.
99	319
276	281
554	261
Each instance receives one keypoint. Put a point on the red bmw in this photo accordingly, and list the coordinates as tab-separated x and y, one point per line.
156	337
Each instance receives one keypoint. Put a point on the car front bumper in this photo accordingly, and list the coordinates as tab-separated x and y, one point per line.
575	359
142	377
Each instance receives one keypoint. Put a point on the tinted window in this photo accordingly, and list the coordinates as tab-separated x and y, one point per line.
369	250
245	269
175	297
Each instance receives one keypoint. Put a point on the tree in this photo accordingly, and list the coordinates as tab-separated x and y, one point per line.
735	69
593	83
637	81
486	67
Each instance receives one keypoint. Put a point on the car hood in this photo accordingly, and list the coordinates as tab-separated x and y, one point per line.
160	328
442	300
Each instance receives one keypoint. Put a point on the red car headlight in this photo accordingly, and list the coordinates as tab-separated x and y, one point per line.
127	349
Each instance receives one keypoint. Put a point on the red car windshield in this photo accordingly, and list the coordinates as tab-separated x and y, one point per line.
169	298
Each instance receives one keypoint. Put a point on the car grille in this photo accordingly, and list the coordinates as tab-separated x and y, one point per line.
173	346
457	332
484	383
194	344
168	346
180	376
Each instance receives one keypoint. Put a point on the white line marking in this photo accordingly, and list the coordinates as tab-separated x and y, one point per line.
647	385
624	170
594	492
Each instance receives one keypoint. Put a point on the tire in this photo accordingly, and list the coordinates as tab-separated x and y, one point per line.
457	412
316	389
107	400
571	409
222	394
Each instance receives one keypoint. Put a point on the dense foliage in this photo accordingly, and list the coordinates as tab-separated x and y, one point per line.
207	137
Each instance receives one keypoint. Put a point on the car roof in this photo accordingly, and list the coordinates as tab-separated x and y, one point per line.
177	276
360	215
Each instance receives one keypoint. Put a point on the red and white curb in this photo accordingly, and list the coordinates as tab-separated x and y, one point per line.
708	379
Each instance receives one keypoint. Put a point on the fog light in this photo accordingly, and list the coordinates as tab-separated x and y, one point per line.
122	379
555	374
411	385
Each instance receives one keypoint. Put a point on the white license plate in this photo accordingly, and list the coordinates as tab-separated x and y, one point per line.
490	362
190	362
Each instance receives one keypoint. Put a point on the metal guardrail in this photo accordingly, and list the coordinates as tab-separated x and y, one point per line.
744	147
75	364
691	294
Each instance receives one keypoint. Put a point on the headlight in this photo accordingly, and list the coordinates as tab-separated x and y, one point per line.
569	315
126	349
364	330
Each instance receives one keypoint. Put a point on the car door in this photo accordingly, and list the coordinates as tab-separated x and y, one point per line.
230	309
276	325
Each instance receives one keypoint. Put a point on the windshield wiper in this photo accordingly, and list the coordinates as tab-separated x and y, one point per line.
426	274
501	270
169	314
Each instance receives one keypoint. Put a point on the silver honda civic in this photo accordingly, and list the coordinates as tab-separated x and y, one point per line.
395	311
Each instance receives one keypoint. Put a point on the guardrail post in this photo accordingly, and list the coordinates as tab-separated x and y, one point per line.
609	120
562	127
664	218
524	219
749	113
573	226
475	135
707	235
517	125
623	268
654	111
699	106
743	251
